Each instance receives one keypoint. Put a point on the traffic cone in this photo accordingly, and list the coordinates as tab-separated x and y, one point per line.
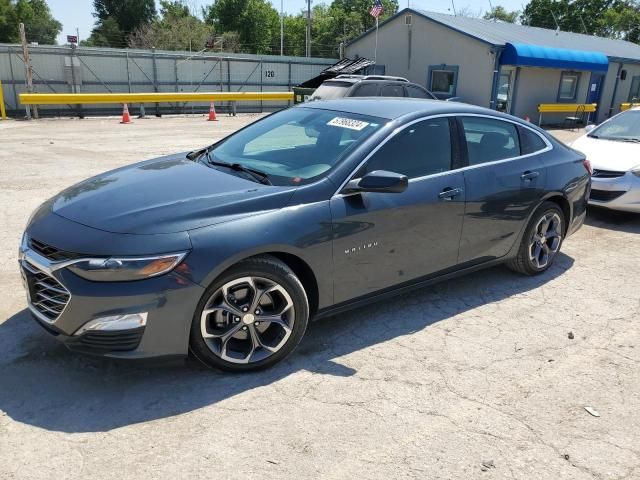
212	113
126	118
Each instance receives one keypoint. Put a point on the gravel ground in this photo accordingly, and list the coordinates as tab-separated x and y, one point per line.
486	376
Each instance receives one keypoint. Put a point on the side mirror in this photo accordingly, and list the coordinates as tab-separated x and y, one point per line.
589	128
379	181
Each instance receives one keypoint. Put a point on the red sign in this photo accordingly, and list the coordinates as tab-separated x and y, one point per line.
72	39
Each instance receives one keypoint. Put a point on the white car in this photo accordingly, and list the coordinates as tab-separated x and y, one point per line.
613	148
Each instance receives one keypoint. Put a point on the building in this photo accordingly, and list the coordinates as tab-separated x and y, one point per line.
504	66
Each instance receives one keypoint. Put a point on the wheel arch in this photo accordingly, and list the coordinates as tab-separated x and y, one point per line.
556	197
300	267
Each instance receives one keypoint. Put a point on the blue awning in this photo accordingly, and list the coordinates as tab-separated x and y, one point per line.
538	56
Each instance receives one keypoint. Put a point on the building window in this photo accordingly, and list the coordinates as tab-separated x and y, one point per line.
443	80
634	93
568	90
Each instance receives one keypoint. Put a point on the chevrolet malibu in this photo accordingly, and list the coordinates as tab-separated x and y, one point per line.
228	251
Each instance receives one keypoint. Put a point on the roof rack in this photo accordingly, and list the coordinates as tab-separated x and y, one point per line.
375	77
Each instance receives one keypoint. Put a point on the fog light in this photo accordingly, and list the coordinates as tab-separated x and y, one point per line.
113	323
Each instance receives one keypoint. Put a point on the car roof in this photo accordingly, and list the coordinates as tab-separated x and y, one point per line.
393	107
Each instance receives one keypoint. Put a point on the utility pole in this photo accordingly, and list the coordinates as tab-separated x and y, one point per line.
308	28
29	71
281	27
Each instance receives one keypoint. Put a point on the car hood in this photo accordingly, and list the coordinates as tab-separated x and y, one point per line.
609	154
165	195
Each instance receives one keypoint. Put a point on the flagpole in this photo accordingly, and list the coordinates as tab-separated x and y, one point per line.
375	52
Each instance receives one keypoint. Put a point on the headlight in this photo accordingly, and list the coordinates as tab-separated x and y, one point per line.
636	171
122	269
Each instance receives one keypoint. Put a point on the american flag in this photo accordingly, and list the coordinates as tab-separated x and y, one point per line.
376	10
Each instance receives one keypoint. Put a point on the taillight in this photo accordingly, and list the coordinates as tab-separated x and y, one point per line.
587	165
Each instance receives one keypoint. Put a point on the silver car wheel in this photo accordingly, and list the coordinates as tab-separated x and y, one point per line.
247	319
546	239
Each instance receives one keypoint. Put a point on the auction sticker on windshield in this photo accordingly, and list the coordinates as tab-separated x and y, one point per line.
349	123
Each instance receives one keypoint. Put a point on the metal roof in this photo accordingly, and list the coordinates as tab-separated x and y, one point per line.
501	33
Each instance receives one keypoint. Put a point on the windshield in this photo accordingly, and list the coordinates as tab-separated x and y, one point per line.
298	145
624	127
331	90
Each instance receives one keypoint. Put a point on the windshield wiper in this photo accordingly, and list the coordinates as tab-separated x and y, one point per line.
257	175
630	140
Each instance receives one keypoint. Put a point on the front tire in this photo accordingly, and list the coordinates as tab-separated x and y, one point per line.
541	241
251	317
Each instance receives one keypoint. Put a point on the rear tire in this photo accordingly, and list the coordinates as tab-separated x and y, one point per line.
541	241
250	317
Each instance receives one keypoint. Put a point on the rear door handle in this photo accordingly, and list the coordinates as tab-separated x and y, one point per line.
528	176
448	193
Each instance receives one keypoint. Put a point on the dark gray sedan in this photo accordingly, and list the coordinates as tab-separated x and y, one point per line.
229	250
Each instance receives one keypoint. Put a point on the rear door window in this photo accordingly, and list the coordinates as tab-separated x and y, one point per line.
366	90
392	91
489	139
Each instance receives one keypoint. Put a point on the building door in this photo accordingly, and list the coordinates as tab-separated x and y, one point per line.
595	93
505	88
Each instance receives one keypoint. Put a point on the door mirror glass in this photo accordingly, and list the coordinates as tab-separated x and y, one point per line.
379	181
589	128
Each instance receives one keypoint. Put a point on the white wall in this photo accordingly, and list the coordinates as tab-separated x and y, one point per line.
540	85
432	44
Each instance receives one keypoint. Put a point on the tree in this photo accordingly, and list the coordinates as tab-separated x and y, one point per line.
468	12
501	14
176	29
39	23
8	22
255	21
117	19
606	18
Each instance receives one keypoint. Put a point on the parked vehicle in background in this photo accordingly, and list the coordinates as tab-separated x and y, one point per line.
344	86
613	148
229	250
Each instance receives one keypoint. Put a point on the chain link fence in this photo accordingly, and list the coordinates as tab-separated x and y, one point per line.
106	70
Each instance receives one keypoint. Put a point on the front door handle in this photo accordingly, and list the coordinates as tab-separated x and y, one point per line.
448	193
529	175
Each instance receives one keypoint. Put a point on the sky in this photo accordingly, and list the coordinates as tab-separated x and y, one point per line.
76	14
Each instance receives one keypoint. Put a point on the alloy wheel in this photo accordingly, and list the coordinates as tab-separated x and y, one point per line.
546	239
247	319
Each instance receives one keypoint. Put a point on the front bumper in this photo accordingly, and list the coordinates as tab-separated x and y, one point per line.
618	193
62	303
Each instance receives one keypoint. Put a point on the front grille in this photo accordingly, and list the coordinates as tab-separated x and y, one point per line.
110	341
46	294
50	252
605	195
607	174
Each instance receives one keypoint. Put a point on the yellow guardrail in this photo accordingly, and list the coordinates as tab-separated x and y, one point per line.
627	106
3	111
564	108
159	97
